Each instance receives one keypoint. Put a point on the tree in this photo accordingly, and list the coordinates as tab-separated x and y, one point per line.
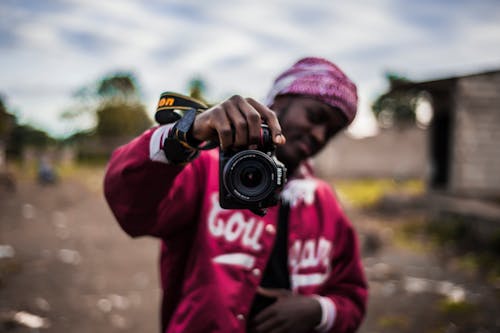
197	88
7	121
119	119
16	136
115	105
120	112
26	135
396	108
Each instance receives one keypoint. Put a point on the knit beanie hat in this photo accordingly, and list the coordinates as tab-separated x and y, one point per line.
320	79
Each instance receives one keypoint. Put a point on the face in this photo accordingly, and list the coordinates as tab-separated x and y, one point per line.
308	125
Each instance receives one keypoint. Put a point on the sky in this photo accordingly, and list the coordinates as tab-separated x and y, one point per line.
49	49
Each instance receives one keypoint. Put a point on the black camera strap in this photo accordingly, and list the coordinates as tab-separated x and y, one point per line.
172	106
276	275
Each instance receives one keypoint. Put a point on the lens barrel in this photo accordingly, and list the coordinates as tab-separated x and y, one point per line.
250	176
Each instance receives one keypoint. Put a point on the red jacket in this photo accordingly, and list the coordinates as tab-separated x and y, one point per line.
211	258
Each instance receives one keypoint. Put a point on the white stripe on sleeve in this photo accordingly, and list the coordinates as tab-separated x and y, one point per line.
156	143
328	313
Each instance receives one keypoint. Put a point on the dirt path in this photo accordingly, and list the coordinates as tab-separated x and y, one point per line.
72	265
416	287
64	259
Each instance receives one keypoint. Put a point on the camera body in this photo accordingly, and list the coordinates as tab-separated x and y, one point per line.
251	179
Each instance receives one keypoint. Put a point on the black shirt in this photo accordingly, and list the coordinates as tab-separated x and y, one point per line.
276	275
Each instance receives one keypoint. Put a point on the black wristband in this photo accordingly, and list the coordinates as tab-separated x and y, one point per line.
179	146
183	129
177	153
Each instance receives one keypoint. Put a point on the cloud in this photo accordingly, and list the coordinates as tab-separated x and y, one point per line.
51	49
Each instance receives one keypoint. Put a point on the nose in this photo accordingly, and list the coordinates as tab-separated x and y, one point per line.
318	132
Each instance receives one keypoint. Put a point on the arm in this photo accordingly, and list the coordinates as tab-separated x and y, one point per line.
340	307
338	304
140	184
147	193
347	287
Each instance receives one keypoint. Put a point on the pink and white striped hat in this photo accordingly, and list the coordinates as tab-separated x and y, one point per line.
320	79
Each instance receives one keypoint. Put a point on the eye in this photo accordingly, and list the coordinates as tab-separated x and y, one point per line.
316	116
332	131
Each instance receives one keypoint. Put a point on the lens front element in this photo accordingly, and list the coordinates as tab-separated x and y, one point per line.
250	175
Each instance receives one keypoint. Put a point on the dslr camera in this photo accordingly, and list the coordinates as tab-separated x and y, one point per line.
253	178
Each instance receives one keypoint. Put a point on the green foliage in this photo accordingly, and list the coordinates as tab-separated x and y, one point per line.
113	102
117	118
450	230
363	193
396	107
7	121
197	89
399	322
17	136
456	308
479	253
26	135
119	85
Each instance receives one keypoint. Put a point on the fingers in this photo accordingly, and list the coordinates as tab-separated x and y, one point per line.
269	320
237	123
253	119
271	119
266	320
224	130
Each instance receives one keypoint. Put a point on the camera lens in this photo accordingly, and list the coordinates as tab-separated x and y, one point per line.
250	176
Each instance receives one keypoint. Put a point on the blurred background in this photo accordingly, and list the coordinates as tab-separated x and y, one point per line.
417	172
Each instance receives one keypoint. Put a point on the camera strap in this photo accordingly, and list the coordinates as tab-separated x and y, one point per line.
172	106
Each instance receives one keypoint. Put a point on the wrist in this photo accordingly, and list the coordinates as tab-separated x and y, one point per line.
183	130
328	313
180	146
191	140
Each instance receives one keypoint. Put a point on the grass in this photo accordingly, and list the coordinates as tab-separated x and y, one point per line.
479	255
411	235
426	233
88	173
399	322
363	193
456	309
475	254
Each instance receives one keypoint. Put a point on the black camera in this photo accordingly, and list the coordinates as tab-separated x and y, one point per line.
252	178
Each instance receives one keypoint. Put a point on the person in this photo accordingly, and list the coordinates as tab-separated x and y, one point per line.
296	269
46	172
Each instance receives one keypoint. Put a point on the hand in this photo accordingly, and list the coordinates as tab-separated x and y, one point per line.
236	123
290	313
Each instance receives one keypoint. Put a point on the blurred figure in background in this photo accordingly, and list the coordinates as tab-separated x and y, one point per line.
296	269
46	172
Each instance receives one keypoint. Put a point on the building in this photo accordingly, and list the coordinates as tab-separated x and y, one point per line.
464	135
458	154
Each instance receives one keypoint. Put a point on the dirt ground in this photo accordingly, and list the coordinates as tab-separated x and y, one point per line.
65	266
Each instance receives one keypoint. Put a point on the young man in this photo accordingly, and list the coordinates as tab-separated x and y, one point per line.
296	269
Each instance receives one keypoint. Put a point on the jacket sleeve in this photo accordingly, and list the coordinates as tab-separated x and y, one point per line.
147	195
346	286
